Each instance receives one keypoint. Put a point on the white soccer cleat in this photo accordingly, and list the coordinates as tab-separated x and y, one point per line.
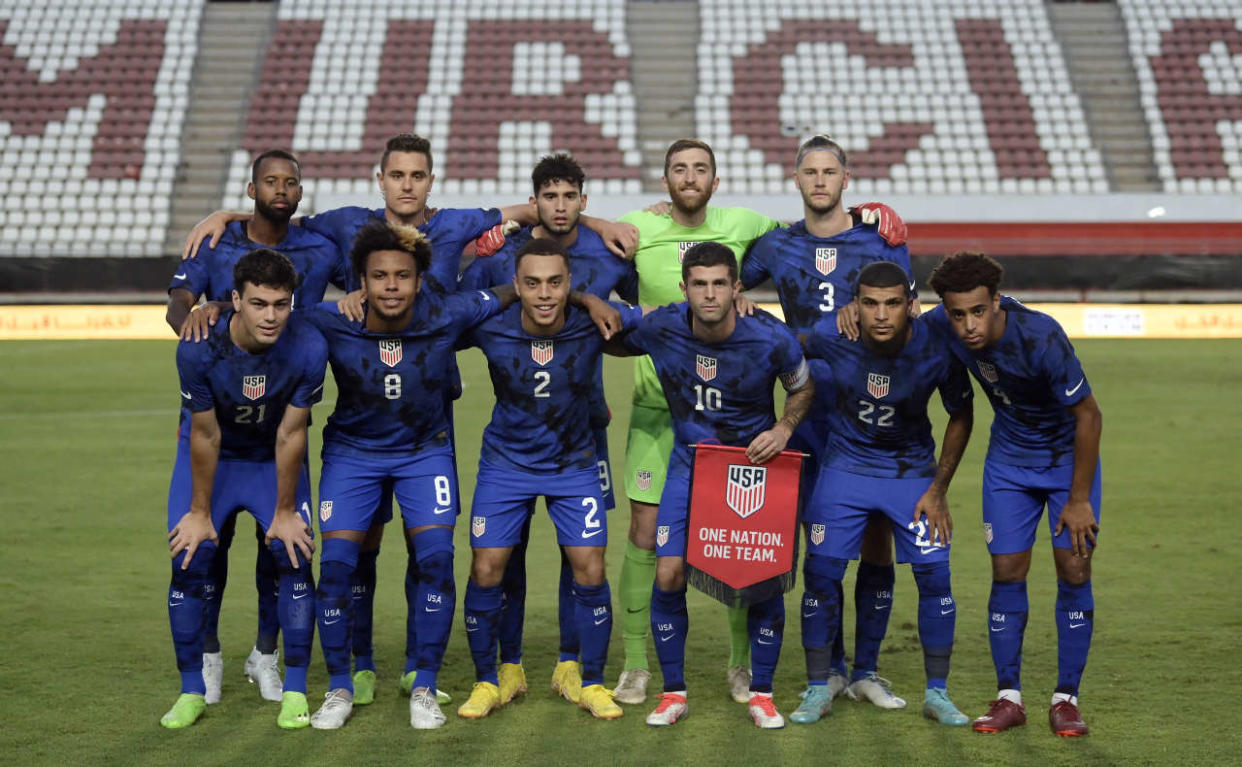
213	676
263	669
763	712
672	707
876	689
425	713
738	678
837	682
632	686
337	705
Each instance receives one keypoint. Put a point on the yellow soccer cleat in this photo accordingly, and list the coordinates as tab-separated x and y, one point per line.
484	699
567	680
512	681
598	700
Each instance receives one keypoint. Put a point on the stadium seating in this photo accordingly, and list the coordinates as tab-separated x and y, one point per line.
961	96
1185	55
493	85
92	100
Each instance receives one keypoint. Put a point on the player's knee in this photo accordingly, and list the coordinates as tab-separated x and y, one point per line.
670	573
1010	568
823	573
487	568
933	580
279	557
200	564
589	571
642	526
341	551
1071	569
431	542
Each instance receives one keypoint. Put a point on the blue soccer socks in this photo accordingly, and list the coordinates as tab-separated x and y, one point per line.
1008	610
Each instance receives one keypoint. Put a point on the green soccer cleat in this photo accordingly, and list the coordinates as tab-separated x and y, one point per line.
407	687
294	711
364	687
185	712
937	706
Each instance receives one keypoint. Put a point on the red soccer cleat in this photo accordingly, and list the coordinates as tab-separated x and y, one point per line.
1002	714
1066	721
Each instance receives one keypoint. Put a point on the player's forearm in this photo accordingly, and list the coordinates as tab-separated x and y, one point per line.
1086	448
953	447
204	457
290	453
597	225
523	213
506	294
180	304
797	405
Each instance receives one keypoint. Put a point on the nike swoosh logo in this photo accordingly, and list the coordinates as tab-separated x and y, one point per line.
181	276
175	604
1077	625
471	630
600	622
947	612
187	395
808	615
997	631
665	639
432	609
331	623
303	595
486	297
763	642
591	534
445	510
1070	392
632	610
881	607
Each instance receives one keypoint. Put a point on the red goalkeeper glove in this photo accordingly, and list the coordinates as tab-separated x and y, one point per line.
886	221
493	239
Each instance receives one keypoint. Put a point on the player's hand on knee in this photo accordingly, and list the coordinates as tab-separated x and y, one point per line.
1079	518
212	226
620	237
198	324
351	306
767	445
847	321
935	507
886	221
291	530
743	305
491	241
189	533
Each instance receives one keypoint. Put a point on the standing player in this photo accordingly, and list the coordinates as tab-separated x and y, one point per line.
558	198
690	179
880	461
544	360
1044	450
276	188
814	265
733	407
247	393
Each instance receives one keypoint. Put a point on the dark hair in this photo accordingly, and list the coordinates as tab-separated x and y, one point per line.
964	271
406	142
821	142
264	266
709	254
273	154
681	145
540	246
379	235
882	274
557	167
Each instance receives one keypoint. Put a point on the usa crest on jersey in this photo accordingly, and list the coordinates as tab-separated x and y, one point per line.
745	488
325	511
825	260
705	366
253	386
661	535
988	371
642	478
682	247
541	352
390	351
817	534
478	526
877	385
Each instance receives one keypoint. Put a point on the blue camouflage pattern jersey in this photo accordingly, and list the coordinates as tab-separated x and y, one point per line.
719	392
316	260
1032	377
450	230
249	392
542	384
391	387
879	422
815	276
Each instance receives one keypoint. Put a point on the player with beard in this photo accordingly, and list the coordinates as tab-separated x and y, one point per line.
558	197
814	265
276	188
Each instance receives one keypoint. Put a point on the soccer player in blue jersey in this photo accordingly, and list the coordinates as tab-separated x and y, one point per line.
1044	449
880	461
814	265
246	397
544	360
733	406
276	188
559	200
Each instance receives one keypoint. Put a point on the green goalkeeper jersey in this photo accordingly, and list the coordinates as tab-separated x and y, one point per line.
661	244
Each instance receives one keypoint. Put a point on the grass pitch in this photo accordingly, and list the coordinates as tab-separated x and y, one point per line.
87	668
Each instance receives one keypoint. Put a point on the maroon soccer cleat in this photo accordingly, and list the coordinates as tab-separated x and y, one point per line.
1066	721
1002	714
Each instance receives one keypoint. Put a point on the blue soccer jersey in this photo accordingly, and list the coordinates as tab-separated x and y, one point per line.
879	422
542	384
210	273
450	230
815	276
249	392
718	392
392	387
1032	377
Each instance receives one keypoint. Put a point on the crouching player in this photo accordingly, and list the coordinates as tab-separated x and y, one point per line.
880	461
246	398
542	356
717	371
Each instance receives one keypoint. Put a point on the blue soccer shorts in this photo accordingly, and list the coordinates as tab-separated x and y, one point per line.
1014	498
843	503
238	485
424	484
504	497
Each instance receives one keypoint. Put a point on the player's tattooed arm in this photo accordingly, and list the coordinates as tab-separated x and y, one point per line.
934	504
195	525
1078	515
620	237
213	227
287	527
767	445
198	324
